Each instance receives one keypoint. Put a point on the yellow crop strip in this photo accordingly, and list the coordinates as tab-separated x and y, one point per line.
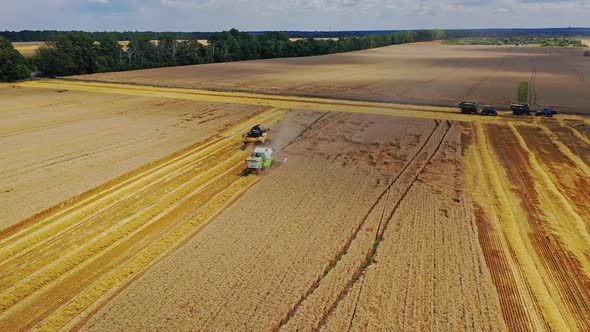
143	260
561	217
574	158
481	190
512	229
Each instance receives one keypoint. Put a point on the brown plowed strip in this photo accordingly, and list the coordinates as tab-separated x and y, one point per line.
514	311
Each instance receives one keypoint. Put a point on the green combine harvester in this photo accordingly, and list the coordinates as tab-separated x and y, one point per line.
260	160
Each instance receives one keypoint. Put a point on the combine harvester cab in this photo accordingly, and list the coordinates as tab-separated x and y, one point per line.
260	160
257	135
468	107
520	109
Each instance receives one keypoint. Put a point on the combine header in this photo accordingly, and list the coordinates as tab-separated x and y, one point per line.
257	135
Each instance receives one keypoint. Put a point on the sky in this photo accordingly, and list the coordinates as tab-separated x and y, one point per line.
310	15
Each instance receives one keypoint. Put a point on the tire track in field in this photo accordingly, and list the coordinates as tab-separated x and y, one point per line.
343	251
482	80
382	228
93	244
532	84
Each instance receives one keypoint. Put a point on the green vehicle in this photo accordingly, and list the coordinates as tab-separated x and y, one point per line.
260	160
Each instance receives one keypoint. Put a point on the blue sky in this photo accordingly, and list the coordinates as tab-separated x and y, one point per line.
209	15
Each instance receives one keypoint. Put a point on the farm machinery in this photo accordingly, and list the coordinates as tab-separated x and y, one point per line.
489	110
547	111
257	135
520	109
468	107
260	160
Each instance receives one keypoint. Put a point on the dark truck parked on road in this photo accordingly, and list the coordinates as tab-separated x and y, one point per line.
468	107
520	109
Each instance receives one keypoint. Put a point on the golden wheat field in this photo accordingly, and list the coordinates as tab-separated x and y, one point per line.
126	208
27	49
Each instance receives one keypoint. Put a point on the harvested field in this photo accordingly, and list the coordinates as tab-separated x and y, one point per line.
58	143
378	216
320	259
533	224
421	73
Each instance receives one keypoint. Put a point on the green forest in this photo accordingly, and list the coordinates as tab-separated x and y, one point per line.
13	66
541	41
75	53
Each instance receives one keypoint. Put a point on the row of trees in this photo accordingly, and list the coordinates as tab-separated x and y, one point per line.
13	66
81	53
542	41
44	35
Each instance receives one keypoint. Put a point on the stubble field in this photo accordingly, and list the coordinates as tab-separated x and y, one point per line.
129	212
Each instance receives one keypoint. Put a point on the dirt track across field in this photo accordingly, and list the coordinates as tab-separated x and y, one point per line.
378	215
421	73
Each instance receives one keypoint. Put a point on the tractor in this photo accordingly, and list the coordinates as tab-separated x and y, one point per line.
547	111
260	160
257	135
489	110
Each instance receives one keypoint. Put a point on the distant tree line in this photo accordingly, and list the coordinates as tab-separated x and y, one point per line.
517	33
45	35
518	40
76	53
